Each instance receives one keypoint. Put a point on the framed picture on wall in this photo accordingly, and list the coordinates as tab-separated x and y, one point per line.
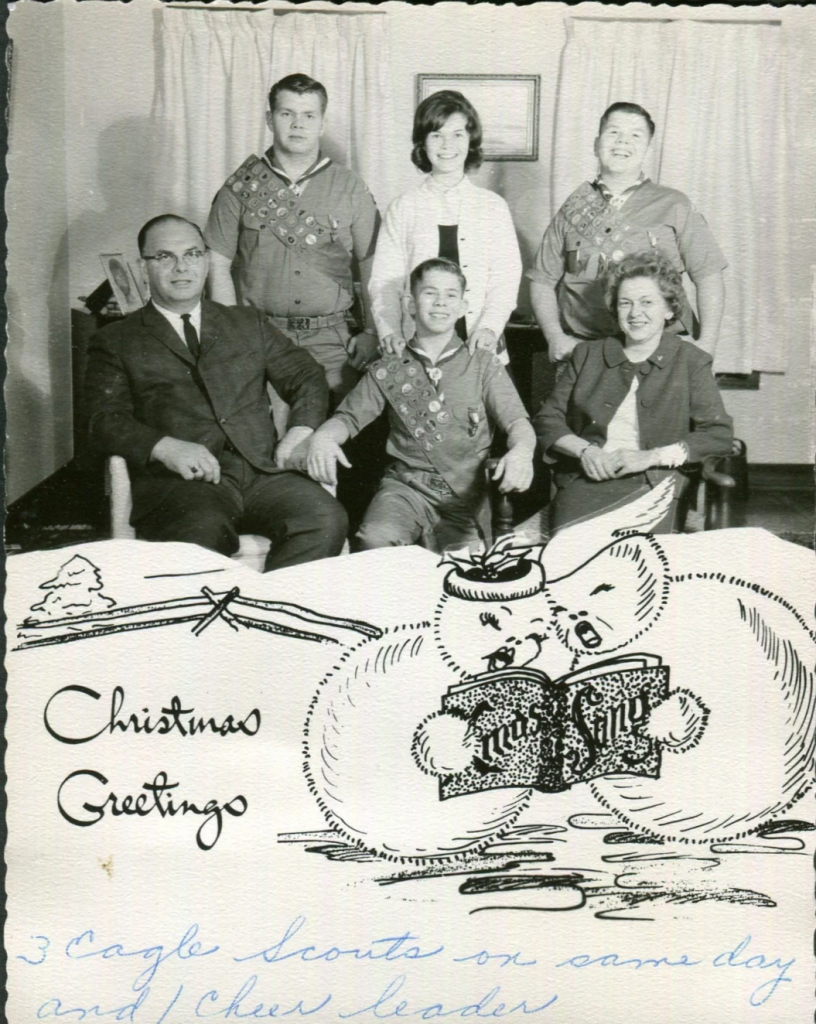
507	106
126	287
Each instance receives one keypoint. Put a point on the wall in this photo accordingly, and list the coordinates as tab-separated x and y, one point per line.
83	87
483	39
109	76
779	423
38	403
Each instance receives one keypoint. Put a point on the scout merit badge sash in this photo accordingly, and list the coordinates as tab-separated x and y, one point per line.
277	208
408	389
608	235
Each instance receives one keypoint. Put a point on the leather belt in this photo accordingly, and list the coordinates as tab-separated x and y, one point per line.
307	323
433	481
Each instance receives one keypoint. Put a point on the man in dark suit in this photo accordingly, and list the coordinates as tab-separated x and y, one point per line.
179	389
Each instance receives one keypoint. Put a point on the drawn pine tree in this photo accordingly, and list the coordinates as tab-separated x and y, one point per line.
76	589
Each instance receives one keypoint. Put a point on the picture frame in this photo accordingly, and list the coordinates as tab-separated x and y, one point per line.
494	97
127	289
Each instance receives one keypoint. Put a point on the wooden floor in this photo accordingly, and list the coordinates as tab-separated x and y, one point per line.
71	508
788	514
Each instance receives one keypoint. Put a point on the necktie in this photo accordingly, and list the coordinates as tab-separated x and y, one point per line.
190	336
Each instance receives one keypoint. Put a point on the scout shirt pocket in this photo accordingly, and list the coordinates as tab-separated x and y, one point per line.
251	234
664	237
576	255
320	228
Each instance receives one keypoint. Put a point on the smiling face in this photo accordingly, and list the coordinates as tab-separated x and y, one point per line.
297	123
623	144
642	310
483	636
177	286
437	302
447	146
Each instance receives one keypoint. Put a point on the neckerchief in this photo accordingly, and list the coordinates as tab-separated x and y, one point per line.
617	201
297	184
433	369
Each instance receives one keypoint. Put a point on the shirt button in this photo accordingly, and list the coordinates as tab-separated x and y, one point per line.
297	273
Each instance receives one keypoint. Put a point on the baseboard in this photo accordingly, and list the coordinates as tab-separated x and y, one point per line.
781	476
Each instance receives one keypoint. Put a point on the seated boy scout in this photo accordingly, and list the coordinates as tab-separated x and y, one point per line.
442	404
285	231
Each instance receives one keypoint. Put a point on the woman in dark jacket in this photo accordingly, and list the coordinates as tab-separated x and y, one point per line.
631	409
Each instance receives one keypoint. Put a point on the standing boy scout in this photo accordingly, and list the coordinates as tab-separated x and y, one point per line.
619	213
285	230
442	405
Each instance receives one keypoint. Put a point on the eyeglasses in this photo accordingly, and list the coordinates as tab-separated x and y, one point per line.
168	259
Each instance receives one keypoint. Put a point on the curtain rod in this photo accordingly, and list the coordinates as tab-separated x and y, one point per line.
667	21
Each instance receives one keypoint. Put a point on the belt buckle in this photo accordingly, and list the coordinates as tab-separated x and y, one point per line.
300	323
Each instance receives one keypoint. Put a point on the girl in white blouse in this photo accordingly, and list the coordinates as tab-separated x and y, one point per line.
448	216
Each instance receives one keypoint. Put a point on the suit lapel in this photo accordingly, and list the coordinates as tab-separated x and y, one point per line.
161	328
210	322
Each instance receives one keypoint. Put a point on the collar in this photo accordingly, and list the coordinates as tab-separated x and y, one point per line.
432	186
615	353
448	352
175	318
600	186
317	166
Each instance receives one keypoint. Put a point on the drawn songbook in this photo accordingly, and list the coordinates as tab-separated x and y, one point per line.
534	732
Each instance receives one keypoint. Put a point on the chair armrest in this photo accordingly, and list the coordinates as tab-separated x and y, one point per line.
719	512
501	506
712	475
121	499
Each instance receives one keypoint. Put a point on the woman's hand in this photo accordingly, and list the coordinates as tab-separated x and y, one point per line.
392	344
598	464
560	346
482	338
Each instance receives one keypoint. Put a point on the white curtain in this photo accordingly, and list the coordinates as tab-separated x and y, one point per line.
215	69
716	94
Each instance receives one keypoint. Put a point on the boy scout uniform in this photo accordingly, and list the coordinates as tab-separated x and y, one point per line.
594	229
292	245
440	420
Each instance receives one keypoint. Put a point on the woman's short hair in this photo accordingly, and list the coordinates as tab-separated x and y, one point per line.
654	264
432	113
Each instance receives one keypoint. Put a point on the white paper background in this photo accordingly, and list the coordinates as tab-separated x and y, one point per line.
141	882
